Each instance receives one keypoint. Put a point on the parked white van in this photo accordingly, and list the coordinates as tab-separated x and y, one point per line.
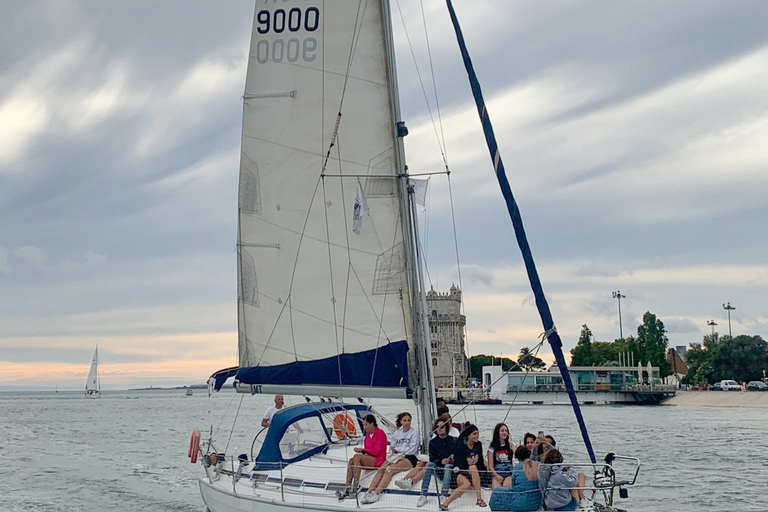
729	385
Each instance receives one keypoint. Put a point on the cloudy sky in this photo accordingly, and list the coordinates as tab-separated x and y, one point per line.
633	133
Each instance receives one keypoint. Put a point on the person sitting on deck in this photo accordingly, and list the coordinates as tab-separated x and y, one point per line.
441	454
561	486
543	444
520	492
417	473
500	455
472	472
371	456
404	447
529	440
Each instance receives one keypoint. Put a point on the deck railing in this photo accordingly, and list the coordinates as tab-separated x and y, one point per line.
315	484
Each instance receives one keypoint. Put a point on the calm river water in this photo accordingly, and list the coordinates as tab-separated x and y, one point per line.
126	451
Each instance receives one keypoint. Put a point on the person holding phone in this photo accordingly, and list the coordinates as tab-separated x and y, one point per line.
441	459
543	444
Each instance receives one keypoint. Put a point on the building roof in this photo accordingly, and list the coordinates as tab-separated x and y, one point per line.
676	362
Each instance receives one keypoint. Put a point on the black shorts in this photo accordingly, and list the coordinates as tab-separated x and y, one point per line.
412	459
485	477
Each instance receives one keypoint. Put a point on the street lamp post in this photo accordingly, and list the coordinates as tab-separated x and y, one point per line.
712	324
729	308
618	296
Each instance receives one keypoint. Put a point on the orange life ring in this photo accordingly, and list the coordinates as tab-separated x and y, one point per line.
194	446
343	425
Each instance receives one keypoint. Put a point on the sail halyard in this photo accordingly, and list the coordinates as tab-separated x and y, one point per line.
318	306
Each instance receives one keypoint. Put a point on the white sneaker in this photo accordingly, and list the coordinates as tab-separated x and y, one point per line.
405	483
373	498
585	504
441	499
365	498
422	501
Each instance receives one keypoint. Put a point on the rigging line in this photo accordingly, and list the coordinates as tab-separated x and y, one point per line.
395	231
226	448
310	315
434	85
380	317
316	239
440	143
357	30
226	409
473	401
528	370
458	259
293	274
241	302
349	262
330	278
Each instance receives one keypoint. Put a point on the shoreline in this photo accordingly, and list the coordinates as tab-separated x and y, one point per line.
746	399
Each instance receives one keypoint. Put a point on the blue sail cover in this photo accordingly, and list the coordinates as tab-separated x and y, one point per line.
385	366
221	376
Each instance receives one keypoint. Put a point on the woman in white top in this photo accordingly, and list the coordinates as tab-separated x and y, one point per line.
404	445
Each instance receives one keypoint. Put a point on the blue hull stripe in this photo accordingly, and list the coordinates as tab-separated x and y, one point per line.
386	366
522	240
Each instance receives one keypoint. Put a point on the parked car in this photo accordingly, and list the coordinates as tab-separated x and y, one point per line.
715	387
757	385
730	385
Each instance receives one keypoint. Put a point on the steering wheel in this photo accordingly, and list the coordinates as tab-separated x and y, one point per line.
255	439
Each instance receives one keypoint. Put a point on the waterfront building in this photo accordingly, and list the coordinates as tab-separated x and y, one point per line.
593	385
447	335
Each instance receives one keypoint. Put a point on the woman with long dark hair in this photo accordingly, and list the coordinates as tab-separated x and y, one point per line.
472	470
500	454
371	455
404	447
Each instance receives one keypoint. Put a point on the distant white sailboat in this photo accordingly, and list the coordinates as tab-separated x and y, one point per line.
93	384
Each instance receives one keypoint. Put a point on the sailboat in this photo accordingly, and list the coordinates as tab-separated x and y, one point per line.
93	384
331	288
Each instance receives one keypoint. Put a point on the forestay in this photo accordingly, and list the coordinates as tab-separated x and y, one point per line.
318	304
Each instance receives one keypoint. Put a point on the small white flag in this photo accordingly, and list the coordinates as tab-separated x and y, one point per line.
361	208
420	191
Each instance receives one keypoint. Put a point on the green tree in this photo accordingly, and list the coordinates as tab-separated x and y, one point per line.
652	343
700	368
581	354
605	353
477	362
528	361
742	358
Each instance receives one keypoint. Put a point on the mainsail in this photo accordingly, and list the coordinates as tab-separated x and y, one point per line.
321	305
92	384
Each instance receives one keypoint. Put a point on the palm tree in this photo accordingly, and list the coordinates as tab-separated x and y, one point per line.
529	361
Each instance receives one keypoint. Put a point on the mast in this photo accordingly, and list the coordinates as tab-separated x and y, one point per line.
426	389
517	221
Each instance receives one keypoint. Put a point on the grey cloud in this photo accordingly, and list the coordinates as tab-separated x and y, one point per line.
478	274
680	325
116	240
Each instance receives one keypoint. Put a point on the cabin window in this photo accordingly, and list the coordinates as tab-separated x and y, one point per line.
434	361
302	436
